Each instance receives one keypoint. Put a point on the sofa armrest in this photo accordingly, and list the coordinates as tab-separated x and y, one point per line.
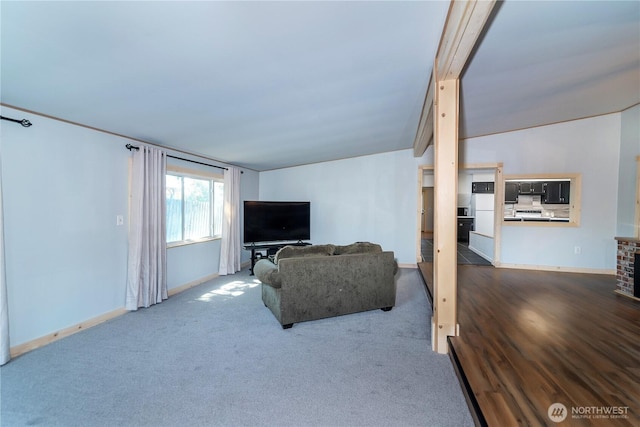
267	272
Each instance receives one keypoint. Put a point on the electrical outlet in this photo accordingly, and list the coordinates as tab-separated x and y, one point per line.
119	220
577	250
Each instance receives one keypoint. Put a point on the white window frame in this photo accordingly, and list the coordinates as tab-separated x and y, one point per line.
197	174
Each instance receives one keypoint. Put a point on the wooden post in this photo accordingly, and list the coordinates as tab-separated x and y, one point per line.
424	135
444	320
465	21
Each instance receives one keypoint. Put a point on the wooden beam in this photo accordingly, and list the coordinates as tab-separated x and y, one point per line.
424	135
465	22
498	200
444	320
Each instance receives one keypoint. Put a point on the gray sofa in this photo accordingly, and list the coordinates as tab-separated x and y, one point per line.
313	282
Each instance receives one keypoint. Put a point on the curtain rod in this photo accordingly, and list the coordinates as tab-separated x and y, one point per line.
24	122
133	147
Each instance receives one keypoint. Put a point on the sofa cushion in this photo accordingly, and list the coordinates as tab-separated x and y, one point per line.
358	248
291	251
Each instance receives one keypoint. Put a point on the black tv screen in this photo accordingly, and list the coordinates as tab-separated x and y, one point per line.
276	221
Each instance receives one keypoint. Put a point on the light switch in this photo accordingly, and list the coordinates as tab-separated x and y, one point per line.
119	220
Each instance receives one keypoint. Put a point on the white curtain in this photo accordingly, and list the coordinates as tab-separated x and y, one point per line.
230	244
4	305
147	267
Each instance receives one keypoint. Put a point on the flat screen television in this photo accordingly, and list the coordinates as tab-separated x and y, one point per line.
276	221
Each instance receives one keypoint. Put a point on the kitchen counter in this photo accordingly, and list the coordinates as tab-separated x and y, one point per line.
537	219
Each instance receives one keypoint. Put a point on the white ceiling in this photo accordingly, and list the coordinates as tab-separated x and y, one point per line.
543	62
266	85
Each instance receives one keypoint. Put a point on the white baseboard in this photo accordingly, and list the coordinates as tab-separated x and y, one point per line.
191	284
49	338
559	269
480	253
407	265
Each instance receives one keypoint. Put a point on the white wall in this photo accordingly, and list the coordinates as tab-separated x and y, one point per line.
590	147
66	259
629	150
374	198
64	185
371	198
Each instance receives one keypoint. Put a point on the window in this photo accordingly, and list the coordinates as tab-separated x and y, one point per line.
549	200
194	207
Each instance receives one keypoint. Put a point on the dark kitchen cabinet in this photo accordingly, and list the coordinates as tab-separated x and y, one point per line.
557	192
482	187
525	188
538	187
511	190
532	187
465	225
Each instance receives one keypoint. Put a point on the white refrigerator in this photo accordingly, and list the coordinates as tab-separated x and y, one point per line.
482	208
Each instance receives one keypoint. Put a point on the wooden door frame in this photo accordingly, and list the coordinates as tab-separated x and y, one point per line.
498	203
636	222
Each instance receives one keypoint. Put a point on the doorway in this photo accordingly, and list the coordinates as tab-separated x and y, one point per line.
482	247
427	212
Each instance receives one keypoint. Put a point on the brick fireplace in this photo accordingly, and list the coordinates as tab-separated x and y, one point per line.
627	259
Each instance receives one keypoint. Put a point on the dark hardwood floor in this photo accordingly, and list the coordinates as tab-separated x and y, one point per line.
530	339
465	255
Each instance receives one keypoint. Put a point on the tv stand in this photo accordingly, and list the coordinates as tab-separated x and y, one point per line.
268	249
